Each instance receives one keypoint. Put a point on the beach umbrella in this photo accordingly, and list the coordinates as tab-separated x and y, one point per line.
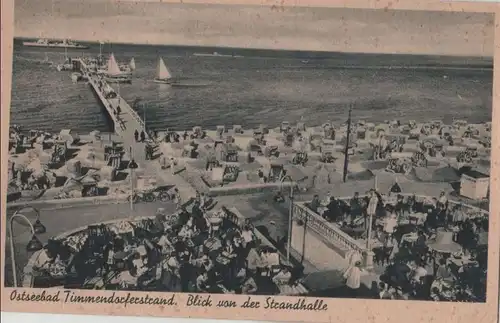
444	243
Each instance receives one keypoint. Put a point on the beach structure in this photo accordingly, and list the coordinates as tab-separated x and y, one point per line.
475	185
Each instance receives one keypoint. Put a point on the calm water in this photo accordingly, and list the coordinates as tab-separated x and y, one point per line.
262	87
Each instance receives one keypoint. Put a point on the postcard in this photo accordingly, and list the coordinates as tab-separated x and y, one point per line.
319	161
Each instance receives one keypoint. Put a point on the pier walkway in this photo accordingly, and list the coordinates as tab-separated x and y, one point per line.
125	125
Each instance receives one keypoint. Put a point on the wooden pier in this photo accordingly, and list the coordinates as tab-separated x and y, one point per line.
127	122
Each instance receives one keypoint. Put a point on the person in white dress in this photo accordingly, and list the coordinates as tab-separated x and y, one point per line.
353	279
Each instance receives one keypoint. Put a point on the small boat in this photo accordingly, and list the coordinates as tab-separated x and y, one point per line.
55	44
114	74
163	75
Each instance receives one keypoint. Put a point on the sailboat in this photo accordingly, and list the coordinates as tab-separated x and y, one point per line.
162	73
114	74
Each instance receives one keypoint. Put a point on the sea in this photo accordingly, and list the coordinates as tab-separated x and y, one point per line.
260	87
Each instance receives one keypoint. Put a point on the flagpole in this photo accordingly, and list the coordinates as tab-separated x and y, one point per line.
346	150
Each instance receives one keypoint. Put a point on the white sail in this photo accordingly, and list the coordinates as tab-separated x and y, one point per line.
113	68
132	64
162	72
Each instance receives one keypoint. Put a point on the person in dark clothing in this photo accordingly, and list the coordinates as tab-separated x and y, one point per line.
118	110
398	275
332	212
143	136
355	206
136	135
185	135
420	245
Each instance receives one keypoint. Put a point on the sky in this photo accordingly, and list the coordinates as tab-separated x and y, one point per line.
291	28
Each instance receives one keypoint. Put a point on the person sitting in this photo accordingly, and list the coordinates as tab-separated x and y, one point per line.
398	274
186	232
315	204
127	278
247	235
383	292
443	271
44	259
249	286
206	263
283	277
332	212
418	273
202	282
254	261
228	250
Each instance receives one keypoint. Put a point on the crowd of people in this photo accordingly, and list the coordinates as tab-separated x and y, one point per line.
428	249
195	251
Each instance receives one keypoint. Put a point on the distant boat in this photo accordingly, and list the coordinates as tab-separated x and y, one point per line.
55	44
163	75
216	54
114	74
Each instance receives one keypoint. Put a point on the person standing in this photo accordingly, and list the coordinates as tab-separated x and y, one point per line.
143	136
353	280
178	200
172	165
136	135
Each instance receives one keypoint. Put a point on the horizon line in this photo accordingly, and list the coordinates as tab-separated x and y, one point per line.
259	48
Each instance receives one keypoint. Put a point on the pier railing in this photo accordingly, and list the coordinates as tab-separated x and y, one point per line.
329	231
125	106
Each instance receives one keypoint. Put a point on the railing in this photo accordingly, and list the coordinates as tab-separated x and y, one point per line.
334	235
331	232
